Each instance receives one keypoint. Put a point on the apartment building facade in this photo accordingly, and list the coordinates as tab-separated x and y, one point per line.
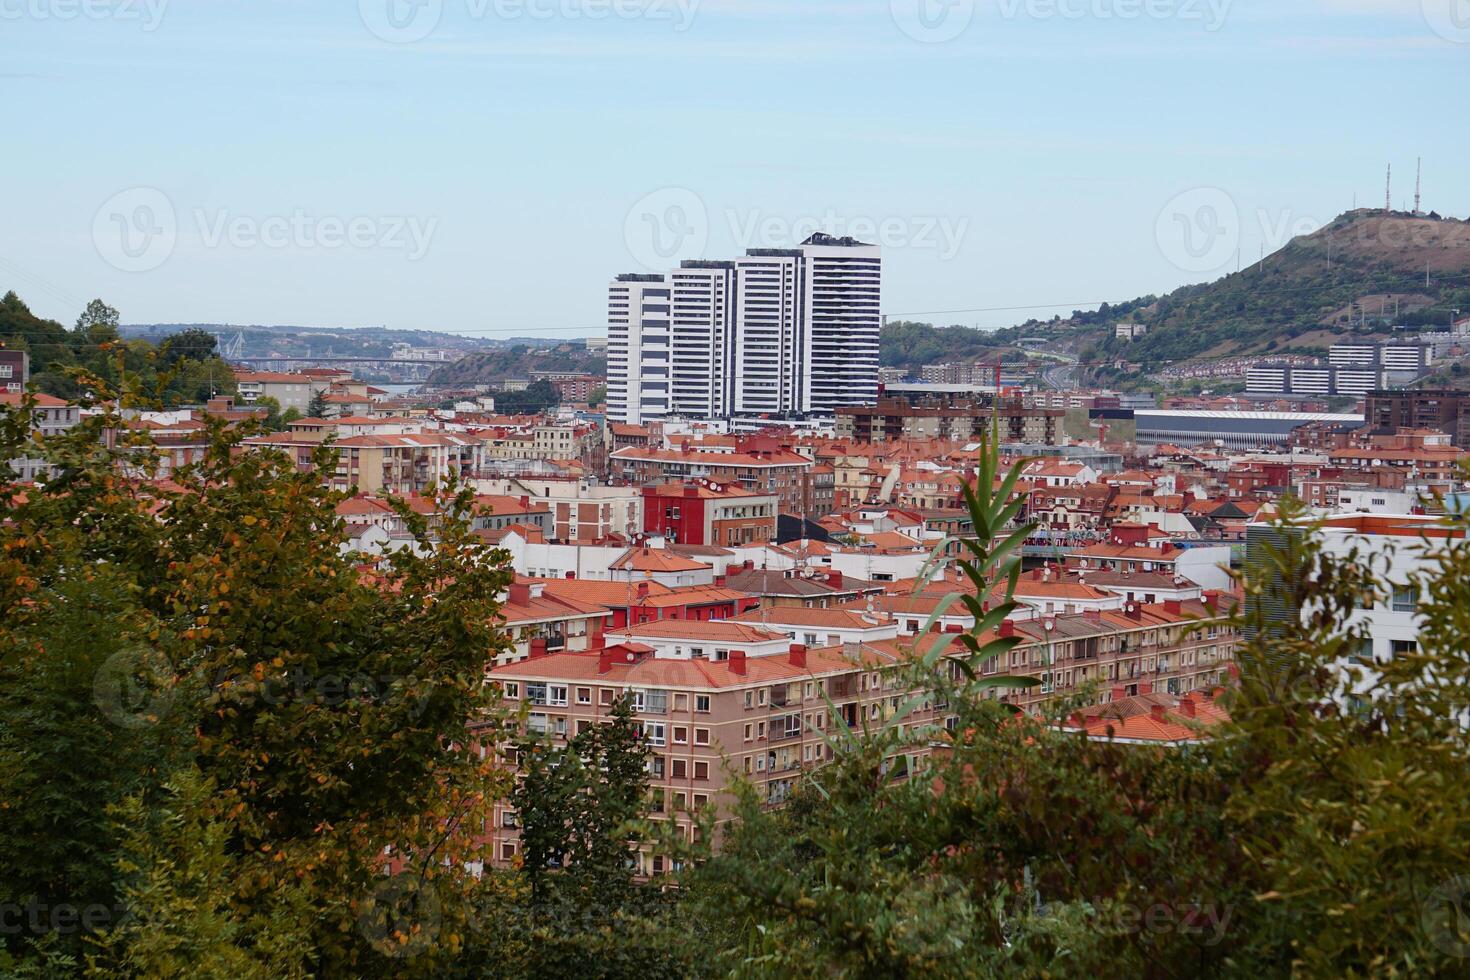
776	332
756	700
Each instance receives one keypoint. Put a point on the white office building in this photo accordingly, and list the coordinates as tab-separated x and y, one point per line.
775	333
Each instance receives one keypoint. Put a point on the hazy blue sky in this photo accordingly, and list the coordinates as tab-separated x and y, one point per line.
487	165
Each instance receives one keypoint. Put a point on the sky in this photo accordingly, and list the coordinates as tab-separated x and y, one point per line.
487	166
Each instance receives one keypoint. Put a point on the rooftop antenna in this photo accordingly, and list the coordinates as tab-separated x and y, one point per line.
1418	176
1388	190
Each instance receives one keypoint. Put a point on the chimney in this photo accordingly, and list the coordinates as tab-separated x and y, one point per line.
954	628
1133	611
720	581
538	648
609	657
520	594
1007	628
749	565
1172	607
1145	687
1212	599
525	503
1187	707
834	579
1156	711
1075	720
798	654
1119	692
691	490
642	592
737	662
571	576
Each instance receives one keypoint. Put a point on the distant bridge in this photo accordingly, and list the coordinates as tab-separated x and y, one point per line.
340	360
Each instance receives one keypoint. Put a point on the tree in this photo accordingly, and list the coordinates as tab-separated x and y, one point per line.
580	809
328	714
317	407
97	324
192	344
597	396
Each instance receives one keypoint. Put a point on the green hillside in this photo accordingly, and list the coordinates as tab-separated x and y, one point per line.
1362	274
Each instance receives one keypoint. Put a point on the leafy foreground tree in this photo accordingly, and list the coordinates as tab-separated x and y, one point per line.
1318	834
216	733
575	906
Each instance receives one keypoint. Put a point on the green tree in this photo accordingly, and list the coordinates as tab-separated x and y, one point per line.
98	324
329	714
317	407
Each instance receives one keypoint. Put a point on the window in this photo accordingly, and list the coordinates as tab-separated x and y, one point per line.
656	766
605	696
1405	600
1405	647
749	699
507	851
681	702
680	768
701	736
584	695
512	690
701	770
651	702
701	703
654	732
747	733
681	735
700	800
508	820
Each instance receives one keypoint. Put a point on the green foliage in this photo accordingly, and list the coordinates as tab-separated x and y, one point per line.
157	641
180	372
538	397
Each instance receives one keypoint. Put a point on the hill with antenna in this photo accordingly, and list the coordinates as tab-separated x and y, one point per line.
1365	273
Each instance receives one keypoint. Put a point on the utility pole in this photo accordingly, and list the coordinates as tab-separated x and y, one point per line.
1388	190
1418	176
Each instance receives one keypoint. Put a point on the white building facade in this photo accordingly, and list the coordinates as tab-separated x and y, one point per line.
777	332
